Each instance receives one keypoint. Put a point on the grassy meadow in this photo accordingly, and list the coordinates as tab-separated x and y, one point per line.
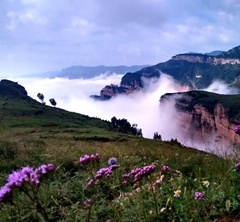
147	180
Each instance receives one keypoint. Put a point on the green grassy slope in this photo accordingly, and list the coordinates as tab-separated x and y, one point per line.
33	134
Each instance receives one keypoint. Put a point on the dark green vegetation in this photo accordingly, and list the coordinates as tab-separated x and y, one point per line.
33	134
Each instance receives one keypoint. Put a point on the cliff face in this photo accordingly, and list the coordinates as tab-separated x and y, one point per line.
113	90
207	59
200	124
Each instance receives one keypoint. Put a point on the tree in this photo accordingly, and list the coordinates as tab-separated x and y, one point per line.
53	102
123	126
157	136
41	97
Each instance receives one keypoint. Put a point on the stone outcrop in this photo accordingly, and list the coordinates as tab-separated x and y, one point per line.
200	124
206	59
113	90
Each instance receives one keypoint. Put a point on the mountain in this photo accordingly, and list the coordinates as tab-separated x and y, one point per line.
86	72
194	70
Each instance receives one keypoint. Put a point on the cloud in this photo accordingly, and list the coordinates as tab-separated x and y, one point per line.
46	36
222	88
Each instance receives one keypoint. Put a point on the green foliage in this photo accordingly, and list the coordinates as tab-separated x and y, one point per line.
123	126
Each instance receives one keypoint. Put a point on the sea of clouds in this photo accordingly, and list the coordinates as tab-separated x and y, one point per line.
141	107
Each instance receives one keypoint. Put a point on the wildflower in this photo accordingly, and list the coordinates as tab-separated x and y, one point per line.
199	195
237	129
206	183
105	171
237	166
150	212
163	209
90	183
87	203
213	207
143	171
124	182
112	161
165	169
25	175
138	173
87	158
4	192
177	193
157	182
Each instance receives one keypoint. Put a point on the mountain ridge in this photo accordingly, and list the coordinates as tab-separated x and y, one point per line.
196	70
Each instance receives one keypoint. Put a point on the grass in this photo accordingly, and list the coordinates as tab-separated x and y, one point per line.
60	137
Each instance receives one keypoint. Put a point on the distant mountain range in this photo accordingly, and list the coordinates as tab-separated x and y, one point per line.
87	72
195	70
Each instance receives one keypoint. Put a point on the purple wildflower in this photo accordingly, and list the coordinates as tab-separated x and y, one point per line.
87	158
4	192
138	173
90	183
124	182
237	129
199	195
213	207
112	161
87	203
165	169
237	166
105	171
50	167
17	178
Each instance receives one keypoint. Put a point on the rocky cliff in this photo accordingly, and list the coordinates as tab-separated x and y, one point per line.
206	116
206	59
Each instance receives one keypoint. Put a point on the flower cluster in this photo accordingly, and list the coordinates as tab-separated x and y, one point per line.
25	175
100	173
165	169
105	171
88	158
138	173
237	129
199	195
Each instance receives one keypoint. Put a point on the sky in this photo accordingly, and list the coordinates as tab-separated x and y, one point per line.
38	36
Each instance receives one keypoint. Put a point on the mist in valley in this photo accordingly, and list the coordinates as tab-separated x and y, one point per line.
141	107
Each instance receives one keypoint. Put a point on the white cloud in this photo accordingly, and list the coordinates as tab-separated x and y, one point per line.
51	35
141	107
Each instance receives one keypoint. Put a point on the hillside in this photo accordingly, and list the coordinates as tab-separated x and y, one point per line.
55	167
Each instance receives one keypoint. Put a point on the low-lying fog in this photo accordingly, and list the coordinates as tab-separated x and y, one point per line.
141	107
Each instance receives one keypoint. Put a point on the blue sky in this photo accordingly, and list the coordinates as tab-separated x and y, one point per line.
48	35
